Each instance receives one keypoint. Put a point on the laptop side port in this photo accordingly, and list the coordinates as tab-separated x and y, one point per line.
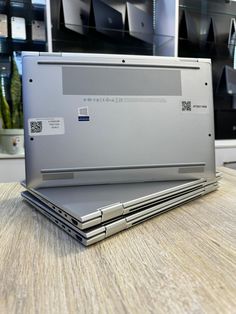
78	238
75	222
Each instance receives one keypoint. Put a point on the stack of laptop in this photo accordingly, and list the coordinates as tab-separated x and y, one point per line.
112	140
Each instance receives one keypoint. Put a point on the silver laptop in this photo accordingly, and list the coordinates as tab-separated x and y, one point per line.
87	206
227	82
103	230
113	118
107	20
194	26
76	15
140	23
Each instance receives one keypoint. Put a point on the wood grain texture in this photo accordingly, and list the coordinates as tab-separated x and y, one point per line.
183	261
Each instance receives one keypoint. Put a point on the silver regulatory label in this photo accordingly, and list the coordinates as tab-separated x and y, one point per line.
46	126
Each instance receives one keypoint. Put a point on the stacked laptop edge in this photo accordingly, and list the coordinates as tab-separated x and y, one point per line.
115	140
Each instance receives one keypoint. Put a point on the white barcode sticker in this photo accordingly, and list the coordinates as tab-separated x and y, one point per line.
46	126
190	107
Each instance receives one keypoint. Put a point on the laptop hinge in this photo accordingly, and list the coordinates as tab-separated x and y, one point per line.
210	188
115	227
112	211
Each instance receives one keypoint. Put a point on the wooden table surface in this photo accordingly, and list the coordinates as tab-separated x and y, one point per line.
183	261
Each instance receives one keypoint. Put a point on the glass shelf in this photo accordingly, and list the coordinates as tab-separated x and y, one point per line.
23	9
39	4
210	7
78	38
22	29
132	31
7	45
198	26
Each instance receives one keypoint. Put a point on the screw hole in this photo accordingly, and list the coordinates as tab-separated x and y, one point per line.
31	138
30	80
206	83
123	61
209	134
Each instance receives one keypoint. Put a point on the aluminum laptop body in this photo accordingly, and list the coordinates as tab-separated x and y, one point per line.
107	20
140	23
194	26
101	119
92	235
87	206
227	82
76	15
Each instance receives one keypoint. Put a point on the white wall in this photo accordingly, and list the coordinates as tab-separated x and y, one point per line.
12	170
225	151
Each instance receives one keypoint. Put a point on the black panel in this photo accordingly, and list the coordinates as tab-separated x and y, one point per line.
225	121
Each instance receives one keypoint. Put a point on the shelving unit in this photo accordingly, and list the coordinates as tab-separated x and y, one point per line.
22	28
206	31
115	26
26	33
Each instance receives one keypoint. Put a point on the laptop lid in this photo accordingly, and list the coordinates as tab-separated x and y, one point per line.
147	119
93	235
86	206
140	23
107	20
76	15
195	27
227	82
89	232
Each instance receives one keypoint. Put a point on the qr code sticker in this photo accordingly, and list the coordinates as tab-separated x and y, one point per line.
36	126
186	106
